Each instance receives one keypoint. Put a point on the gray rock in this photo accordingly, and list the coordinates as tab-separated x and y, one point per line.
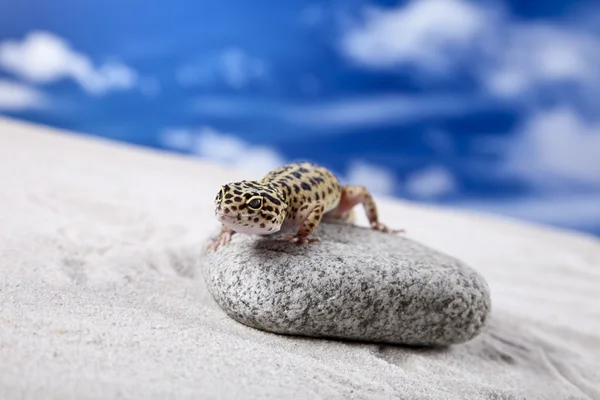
355	284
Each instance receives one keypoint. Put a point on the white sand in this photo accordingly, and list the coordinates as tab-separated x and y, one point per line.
99	296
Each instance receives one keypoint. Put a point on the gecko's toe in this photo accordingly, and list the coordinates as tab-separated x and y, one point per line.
218	241
383	228
211	247
302	239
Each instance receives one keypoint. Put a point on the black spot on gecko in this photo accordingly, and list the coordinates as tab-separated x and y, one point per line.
306	186
262	225
268	208
237	199
233	208
273	200
228	196
297	189
317	197
242	206
239	193
303	170
297	174
228	202
256	219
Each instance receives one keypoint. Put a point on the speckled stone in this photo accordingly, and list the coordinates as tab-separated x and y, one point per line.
355	284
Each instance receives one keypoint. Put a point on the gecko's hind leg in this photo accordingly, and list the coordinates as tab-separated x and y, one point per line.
353	195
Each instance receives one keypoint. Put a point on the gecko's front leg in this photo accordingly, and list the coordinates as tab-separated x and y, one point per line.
309	224
221	239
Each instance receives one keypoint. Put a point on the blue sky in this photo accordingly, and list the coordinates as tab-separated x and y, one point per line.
486	105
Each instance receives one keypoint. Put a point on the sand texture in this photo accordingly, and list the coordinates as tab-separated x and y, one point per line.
101	295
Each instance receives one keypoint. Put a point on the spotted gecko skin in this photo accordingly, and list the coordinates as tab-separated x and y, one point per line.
293	198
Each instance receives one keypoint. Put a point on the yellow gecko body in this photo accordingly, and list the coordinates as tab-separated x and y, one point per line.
295	197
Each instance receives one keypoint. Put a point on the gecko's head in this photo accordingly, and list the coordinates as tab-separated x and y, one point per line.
250	207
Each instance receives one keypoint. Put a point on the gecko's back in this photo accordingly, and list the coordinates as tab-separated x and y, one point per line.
303	184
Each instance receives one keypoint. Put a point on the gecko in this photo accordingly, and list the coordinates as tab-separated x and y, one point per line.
293	198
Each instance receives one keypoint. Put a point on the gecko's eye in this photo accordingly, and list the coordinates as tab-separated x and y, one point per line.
255	203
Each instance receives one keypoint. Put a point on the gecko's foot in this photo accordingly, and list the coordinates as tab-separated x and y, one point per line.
220	240
378	226
301	239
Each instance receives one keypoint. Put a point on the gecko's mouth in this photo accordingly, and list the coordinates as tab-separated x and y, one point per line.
230	218
242	224
225	216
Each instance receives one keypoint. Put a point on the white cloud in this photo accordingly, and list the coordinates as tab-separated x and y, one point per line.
42	57
555	149
233	67
538	55
532	64
349	113
223	148
428	33
218	146
239	69
431	182
378	180
180	139
17	96
510	58
368	111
